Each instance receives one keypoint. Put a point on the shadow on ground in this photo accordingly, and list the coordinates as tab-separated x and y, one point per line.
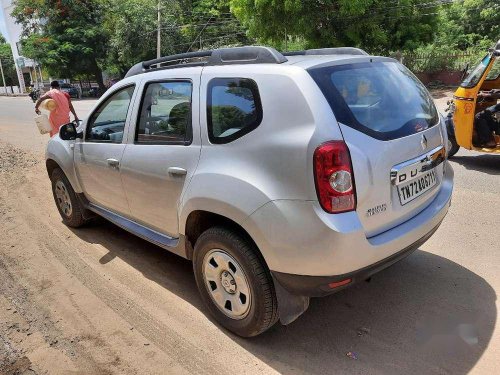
483	163
424	315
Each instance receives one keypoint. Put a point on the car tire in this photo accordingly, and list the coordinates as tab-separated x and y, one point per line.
453	147
234	282
68	204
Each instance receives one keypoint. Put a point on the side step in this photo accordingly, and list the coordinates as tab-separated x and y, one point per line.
159	239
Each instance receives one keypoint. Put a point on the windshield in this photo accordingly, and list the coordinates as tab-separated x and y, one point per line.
475	76
381	99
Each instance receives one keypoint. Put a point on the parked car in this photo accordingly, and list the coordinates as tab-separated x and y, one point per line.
281	177
71	90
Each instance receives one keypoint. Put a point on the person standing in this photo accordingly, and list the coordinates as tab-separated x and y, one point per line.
60	115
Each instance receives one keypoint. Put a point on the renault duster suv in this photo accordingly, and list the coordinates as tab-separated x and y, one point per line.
280	176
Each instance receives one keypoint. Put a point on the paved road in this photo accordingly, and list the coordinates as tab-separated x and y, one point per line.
98	300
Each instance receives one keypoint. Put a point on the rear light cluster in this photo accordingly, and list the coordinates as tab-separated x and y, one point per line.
334	177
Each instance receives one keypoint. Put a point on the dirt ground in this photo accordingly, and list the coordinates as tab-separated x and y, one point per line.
98	300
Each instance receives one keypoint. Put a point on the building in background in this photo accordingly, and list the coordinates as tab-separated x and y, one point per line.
28	71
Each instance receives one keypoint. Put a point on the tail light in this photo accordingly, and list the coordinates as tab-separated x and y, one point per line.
334	177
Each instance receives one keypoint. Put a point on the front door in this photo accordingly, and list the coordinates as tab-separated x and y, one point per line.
159	161
98	156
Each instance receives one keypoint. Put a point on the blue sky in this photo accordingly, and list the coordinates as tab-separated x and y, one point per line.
3	30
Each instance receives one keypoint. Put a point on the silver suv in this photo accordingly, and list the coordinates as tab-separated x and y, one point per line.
280	176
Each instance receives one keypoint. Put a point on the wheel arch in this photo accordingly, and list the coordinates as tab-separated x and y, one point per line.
50	165
198	221
59	154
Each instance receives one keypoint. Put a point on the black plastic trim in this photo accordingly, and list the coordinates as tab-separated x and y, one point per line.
327	51
221	56
463	98
317	286
174	245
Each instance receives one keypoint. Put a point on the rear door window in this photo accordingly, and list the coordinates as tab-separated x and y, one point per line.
234	108
165	114
381	99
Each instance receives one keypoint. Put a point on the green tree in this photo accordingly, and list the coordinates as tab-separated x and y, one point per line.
376	25
185	25
470	23
65	36
9	67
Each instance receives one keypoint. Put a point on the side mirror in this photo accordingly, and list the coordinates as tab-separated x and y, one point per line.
68	132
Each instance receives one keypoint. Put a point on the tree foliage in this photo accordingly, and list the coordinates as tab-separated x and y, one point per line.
469	23
185	25
376	25
73	38
65	36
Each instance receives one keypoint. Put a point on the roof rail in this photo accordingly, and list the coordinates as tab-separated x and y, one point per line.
327	51
222	56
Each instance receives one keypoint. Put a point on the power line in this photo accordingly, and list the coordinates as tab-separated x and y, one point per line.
176	27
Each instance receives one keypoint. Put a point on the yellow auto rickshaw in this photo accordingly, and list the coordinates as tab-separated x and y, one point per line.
474	118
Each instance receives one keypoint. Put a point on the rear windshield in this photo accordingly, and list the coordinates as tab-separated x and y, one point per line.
381	99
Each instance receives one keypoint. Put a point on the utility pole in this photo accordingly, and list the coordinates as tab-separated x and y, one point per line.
158	40
3	78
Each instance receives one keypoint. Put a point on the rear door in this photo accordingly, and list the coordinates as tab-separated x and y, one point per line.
391	126
163	150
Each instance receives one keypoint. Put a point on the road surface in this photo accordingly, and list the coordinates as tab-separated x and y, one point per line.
98	300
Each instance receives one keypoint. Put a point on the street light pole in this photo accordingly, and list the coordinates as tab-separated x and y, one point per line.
3	78
158	40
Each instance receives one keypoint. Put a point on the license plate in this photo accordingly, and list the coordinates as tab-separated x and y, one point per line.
414	188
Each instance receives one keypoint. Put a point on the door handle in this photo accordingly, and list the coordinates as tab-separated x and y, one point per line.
177	171
113	163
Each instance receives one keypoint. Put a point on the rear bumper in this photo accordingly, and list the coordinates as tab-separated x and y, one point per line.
299	238
318	286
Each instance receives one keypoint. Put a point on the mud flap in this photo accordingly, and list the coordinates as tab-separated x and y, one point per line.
87	214
290	306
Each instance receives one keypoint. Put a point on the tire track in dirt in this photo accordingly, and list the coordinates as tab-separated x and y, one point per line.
37	319
188	356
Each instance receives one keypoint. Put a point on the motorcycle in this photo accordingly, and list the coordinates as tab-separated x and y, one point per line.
34	95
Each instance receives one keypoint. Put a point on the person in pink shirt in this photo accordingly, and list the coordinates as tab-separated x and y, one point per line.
60	115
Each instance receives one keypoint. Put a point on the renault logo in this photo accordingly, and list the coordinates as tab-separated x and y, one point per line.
423	142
